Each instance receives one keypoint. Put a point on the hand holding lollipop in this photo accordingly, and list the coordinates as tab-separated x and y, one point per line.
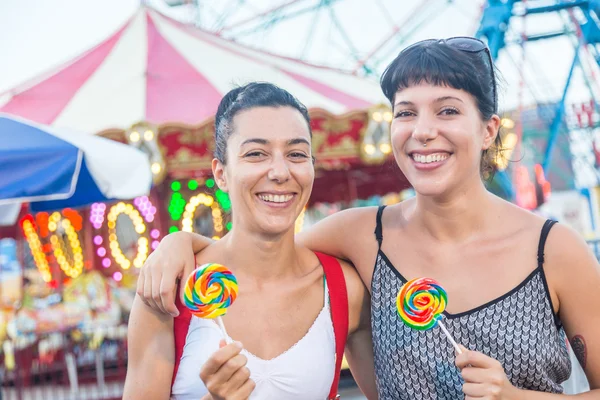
209	291
420	305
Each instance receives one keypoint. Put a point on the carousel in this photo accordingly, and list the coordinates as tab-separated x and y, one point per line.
155	84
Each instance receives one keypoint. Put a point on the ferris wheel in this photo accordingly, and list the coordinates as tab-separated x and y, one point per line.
569	129
354	35
552	118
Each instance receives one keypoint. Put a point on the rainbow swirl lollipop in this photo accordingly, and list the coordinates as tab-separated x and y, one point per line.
210	290
421	302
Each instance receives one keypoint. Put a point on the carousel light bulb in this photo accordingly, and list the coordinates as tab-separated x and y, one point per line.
59	247
369	148
156	168
142	203
193	184
385	148
507	123
387	116
148	135
134	136
35	246
377	117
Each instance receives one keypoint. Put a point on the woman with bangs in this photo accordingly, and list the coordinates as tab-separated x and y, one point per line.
518	285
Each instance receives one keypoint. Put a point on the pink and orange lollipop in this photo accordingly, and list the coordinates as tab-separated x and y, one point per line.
209	291
420	304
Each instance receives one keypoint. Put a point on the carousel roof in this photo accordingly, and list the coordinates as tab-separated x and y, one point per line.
158	70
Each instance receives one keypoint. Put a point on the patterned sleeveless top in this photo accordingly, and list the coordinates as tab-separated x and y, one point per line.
519	329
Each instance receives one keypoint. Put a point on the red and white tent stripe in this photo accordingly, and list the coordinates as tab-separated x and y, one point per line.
158	70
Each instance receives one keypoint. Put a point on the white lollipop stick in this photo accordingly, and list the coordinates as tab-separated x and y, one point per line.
222	326
441	325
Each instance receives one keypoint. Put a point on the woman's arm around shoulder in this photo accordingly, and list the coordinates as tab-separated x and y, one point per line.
359	347
573	276
151	354
158	277
343	234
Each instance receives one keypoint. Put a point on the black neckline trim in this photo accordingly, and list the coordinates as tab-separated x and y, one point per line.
473	310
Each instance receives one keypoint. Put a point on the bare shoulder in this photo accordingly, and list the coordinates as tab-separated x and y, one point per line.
569	263
566	252
561	243
342	234
210	253
509	214
355	214
357	218
563	247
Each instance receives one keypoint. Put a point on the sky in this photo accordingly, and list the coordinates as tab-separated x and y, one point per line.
37	36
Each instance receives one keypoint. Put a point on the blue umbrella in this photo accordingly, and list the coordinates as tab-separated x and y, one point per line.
54	169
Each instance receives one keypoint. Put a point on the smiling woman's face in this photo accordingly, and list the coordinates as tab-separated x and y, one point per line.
448	121
269	172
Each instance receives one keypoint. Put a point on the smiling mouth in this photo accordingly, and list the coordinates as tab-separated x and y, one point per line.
429	158
275	198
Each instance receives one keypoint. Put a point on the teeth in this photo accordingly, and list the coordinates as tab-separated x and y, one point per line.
276	198
426	159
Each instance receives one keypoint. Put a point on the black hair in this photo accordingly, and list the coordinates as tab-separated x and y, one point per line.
252	95
438	63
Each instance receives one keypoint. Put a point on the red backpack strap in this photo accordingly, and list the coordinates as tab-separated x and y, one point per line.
338	300
181	325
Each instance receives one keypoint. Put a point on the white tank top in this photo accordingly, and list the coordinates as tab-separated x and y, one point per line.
303	372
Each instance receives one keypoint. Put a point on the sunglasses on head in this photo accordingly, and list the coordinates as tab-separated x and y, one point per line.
469	45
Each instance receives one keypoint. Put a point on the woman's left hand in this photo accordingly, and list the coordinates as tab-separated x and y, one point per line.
484	377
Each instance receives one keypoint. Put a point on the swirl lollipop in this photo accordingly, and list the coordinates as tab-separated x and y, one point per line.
420	305
209	291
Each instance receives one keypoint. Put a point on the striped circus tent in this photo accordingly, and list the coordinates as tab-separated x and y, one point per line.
158	70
